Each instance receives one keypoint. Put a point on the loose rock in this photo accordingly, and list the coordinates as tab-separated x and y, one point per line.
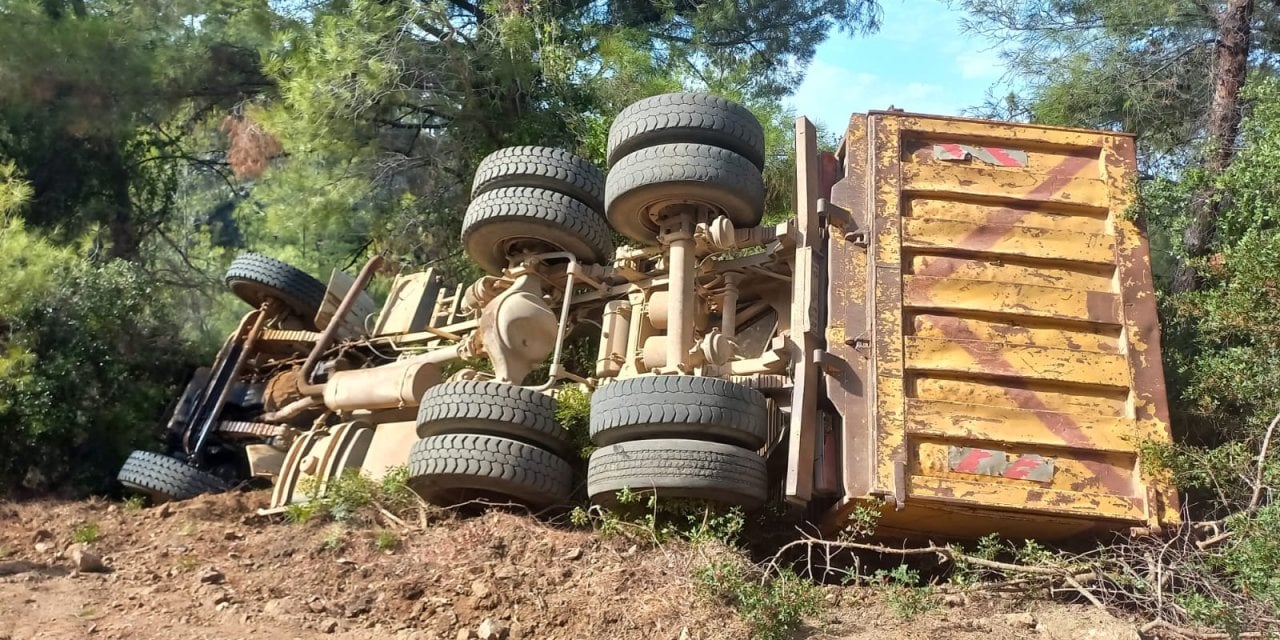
210	575
492	630
1024	620
85	561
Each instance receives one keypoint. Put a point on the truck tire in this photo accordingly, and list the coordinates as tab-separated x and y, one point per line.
508	221
641	184
688	469
163	478
492	408
455	468
690	407
686	117
254	278
545	167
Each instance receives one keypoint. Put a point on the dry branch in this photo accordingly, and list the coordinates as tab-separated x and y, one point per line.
1262	466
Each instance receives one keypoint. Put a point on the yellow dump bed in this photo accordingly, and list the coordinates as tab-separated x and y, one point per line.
992	308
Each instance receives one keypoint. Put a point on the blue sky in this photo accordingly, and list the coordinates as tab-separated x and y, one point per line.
920	60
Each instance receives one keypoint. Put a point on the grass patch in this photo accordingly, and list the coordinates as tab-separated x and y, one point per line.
387	541
186	563
903	591
335	540
86	533
134	503
771	606
770	603
353	498
573	412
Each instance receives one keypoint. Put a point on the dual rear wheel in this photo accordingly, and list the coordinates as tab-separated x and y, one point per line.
683	437
486	440
676	437
534	200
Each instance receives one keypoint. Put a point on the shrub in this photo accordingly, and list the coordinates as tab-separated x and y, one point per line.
86	533
352	497
89	358
770	605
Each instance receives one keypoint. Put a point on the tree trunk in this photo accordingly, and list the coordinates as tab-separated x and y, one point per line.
126	241
1231	65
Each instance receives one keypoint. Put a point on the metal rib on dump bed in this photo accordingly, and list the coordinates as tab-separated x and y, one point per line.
1013	358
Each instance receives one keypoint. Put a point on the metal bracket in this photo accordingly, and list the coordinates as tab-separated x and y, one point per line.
830	215
859	343
825	360
899	485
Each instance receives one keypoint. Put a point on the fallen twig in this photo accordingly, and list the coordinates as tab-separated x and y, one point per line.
1256	500
1161	625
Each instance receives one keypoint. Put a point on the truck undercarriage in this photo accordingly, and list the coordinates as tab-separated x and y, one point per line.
956	327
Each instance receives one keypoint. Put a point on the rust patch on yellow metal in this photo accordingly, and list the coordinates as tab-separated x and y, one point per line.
1008	212
887	301
1030	138
1072	400
994	182
1012	298
1016	361
1013	240
1013	312
1012	269
1041	428
848	322
1148	403
1029	332
999	492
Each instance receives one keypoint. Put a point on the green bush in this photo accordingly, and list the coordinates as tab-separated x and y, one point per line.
771	605
89	359
573	411
350	497
87	533
902	589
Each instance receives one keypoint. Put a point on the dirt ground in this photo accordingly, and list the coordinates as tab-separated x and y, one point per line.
212	568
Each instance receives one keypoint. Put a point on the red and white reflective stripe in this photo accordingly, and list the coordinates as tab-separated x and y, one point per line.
990	155
993	462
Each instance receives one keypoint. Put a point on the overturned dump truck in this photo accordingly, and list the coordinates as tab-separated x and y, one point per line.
957	328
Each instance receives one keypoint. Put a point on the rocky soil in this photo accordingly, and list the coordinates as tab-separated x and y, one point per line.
213	568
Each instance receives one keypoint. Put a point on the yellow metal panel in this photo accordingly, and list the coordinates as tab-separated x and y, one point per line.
1147	401
1022	332
1001	297
956	420
998	182
1002	212
1001	133
1008	239
887	297
1101	402
1013	312
1074	470
1008	269
849	316
1035	363
1086	505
